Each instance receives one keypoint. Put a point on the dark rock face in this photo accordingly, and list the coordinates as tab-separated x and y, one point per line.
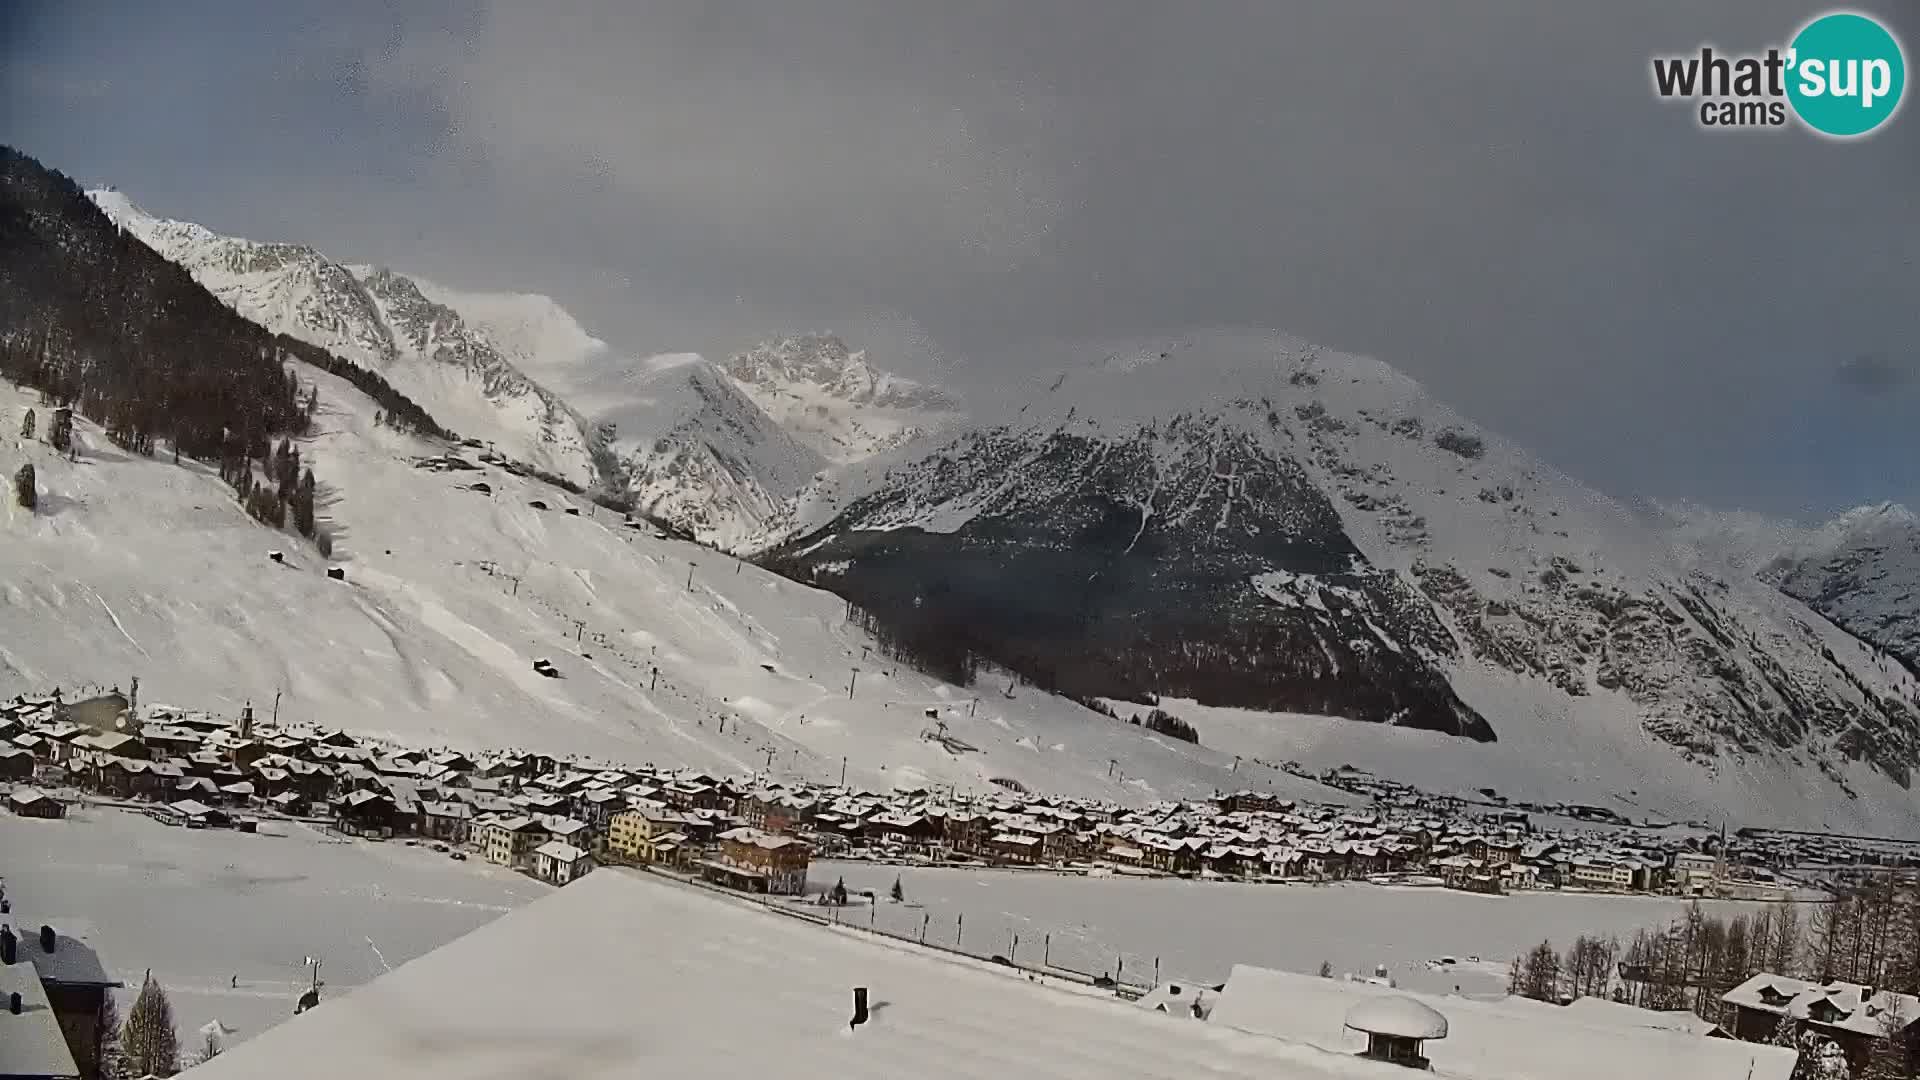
1182	560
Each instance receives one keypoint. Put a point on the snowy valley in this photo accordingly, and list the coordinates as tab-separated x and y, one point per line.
1295	551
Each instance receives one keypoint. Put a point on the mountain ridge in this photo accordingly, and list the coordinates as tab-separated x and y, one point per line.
1549	588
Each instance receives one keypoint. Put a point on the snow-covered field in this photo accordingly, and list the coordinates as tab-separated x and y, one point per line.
1199	930
202	907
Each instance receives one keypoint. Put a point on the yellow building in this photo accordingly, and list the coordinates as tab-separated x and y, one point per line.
646	834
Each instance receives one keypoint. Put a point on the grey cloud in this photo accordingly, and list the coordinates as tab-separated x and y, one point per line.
1874	374
1484	193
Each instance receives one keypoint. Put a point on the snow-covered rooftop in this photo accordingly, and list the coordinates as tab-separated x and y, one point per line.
1397	1015
730	989
30	1044
1492	1040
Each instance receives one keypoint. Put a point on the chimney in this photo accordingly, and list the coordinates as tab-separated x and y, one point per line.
48	939
8	953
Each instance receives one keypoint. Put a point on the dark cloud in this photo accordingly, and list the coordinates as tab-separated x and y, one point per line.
1484	193
1874	374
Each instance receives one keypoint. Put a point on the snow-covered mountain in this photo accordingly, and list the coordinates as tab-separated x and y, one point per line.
455	582
1862	570
715	450
836	403
383	321
1250	522
703	457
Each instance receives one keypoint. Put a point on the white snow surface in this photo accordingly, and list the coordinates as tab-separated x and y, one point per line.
225	919
1489	1039
618	975
134	566
1198	930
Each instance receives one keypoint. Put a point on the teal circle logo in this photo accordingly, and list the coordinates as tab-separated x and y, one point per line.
1846	75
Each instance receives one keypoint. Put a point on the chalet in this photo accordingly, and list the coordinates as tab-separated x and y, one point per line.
16	763
1012	847
111	776
366	813
911	830
26	802
75	982
114	743
597	806
289	802
759	861
510	841
448	821
191	813
569	830
557	862
195	787
1850	1014
32	1046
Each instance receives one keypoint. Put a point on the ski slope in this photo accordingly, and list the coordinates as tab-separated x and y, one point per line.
138	567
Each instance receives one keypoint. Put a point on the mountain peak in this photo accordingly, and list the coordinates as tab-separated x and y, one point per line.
836	403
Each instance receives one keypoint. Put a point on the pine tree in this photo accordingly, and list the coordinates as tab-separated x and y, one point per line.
302	505
1326	969
26	426
1542	973
113	1063
24	490
149	1041
897	893
1517	977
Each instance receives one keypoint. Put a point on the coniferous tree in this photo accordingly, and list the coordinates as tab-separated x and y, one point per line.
149	1041
303	505
897	893
113	1064
1326	969
26	425
1541	980
24	490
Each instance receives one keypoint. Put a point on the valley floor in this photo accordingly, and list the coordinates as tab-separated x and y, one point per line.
204	909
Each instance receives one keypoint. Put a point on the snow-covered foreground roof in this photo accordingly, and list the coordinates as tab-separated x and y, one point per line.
621	975
30	1044
1492	1040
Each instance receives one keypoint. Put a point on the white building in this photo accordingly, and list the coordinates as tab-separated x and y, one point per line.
559	862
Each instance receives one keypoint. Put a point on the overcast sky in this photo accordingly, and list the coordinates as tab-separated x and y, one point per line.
1485	194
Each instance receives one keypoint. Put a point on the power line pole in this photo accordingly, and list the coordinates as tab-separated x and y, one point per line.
843	772
276	709
690	565
851	678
